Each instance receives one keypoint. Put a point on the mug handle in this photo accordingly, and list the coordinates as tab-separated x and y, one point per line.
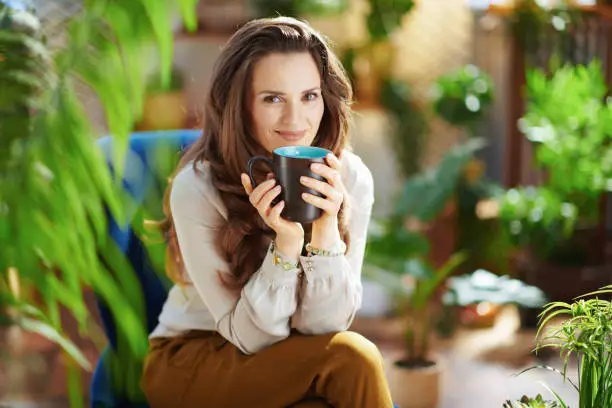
252	162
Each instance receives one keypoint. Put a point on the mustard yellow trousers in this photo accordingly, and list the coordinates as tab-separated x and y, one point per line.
202	369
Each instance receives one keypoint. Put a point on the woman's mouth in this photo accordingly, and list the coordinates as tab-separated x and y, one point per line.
291	135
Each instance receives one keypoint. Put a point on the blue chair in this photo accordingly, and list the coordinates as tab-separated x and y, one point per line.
151	158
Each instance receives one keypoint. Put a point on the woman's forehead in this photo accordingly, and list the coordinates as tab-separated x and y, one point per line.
286	72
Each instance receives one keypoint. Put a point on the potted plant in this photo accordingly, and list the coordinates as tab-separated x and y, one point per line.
369	61
555	223
586	335
399	257
427	200
410	125
165	105
482	292
297	8
461	97
526	402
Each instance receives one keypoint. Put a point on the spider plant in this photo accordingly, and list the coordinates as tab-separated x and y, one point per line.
585	335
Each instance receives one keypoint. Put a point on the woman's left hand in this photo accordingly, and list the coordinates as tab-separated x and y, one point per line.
325	231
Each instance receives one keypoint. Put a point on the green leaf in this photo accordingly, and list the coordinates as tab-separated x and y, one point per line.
188	8
158	12
419	269
426	287
425	195
396	243
52	334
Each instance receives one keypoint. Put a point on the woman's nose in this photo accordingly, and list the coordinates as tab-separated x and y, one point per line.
292	113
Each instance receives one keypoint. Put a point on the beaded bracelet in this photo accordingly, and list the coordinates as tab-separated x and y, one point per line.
278	260
338	250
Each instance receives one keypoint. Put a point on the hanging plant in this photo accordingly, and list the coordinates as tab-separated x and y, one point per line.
298	8
411	125
386	16
528	23
462	96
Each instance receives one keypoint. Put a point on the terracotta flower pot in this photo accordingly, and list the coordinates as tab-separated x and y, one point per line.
417	387
164	111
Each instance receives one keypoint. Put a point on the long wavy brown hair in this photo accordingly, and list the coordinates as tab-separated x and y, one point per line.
227	141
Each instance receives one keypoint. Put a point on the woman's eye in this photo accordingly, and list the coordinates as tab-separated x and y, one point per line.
311	96
272	99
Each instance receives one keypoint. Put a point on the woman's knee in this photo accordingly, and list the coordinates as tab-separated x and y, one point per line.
357	351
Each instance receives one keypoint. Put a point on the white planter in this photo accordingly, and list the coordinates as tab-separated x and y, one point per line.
414	387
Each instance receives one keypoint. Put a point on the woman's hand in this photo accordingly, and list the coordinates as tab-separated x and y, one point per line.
289	235
325	232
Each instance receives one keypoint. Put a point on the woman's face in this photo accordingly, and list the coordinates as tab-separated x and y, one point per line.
285	100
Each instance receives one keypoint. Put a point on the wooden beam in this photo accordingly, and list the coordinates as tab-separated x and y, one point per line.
516	108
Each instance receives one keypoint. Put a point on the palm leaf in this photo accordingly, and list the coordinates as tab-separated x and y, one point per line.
55	184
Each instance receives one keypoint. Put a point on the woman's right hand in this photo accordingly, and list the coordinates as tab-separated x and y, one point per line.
289	235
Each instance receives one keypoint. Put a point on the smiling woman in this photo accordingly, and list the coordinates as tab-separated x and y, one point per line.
286	107
262	304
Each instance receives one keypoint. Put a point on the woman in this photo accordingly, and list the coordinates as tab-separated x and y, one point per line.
255	320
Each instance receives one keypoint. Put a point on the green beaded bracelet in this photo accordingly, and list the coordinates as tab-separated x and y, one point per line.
278	260
339	250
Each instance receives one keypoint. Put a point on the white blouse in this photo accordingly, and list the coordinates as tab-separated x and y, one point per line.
273	300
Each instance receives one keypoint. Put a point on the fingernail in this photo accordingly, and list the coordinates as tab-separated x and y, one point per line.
303	179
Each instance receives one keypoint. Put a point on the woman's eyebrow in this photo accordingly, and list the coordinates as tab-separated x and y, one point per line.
267	91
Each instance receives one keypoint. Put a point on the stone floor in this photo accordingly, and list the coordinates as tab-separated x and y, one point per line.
479	366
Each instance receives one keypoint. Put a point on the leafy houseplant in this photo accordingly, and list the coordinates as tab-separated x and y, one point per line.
482	287
397	249
394	254
586	334
555	222
546	30
370	62
461	97
386	16
296	8
526	402
571	136
411	125
425	194
428	198
54	183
